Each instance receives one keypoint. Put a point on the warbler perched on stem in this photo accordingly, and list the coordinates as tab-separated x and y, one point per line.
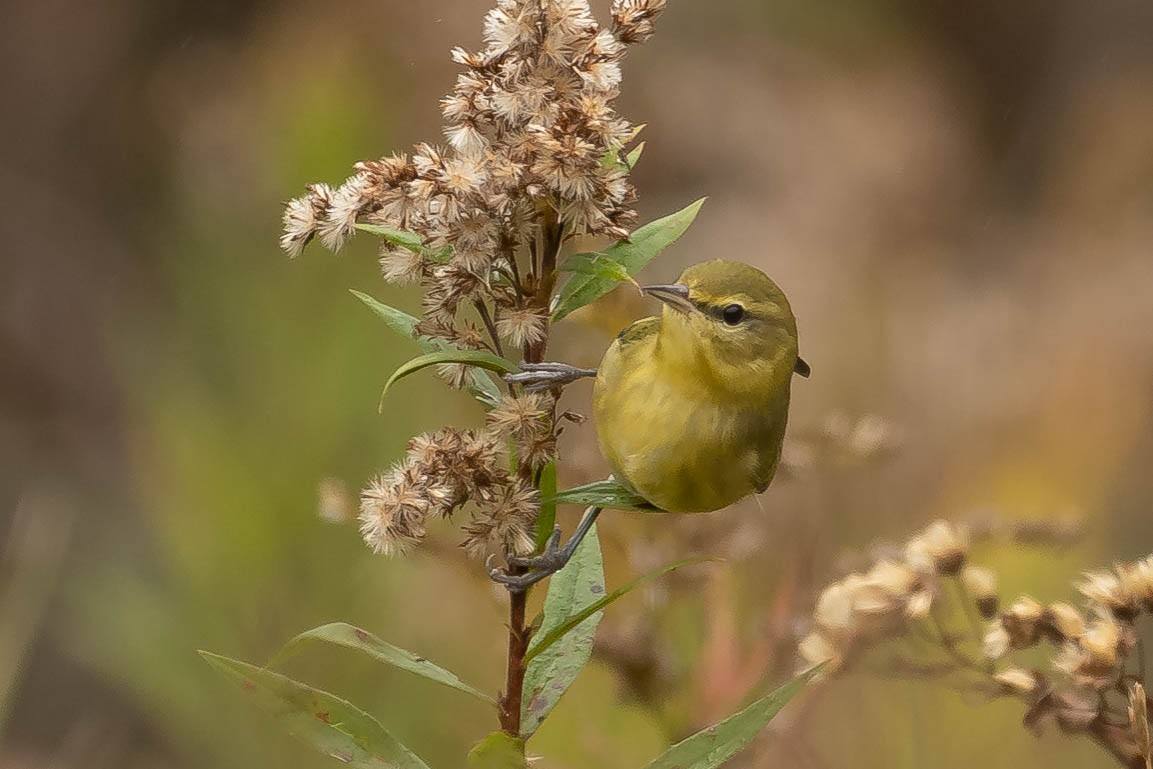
691	405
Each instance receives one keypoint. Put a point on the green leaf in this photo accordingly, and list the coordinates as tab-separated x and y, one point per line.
607	493
633	254
711	747
319	719
552	671
407	240
546	519
551	635
480	385
498	751
343	634
399	321
598	265
478	358
634	155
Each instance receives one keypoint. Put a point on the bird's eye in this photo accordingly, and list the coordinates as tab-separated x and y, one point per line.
733	314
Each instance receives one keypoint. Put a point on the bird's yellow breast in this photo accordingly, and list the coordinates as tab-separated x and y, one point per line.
675	437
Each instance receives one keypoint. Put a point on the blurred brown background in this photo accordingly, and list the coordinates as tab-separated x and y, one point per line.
957	196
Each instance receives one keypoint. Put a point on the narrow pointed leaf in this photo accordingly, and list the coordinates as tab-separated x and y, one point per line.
711	747
407	240
550	635
646	242
546	520
319	719
598	265
477	358
608	493
498	751
398	320
481	385
621	161
343	634
634	155
551	672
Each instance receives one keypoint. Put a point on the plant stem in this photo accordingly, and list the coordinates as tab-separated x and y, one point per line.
510	701
518	633
482	310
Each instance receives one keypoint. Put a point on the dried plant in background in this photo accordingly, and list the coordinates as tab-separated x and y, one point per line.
925	611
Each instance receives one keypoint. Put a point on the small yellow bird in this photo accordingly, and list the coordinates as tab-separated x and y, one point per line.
690	406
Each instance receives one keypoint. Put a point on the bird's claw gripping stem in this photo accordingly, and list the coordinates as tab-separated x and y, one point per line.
546	376
548	562
551	560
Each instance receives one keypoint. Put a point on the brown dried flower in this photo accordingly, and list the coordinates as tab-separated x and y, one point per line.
1111	590
393	512
441	472
531	135
1094	659
1017	680
940	548
981	583
1091	657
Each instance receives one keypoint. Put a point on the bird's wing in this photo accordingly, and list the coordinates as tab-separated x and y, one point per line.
642	329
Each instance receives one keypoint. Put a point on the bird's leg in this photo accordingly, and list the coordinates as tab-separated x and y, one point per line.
550	561
545	376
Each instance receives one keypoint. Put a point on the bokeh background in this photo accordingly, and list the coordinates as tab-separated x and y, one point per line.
957	196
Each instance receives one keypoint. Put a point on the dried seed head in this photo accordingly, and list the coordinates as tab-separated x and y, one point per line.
302	217
401	266
815	649
834	610
633	19
392	513
530	127
522	327
526	417
1111	591
1101	642
888	589
1094	659
1016	680
1066	622
981	584
995	644
1137	580
940	548
346	204
504	520
1021	623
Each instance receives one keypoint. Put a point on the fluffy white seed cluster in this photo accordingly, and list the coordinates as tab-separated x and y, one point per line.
532	156
532	142
440	473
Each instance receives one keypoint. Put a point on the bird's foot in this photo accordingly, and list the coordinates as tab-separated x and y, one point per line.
546	376
536	567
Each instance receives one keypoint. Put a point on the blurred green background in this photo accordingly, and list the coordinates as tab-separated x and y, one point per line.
958	198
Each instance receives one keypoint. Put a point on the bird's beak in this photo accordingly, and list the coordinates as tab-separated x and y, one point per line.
802	367
675	295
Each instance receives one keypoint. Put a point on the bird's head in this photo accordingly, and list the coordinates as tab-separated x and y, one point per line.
732	321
